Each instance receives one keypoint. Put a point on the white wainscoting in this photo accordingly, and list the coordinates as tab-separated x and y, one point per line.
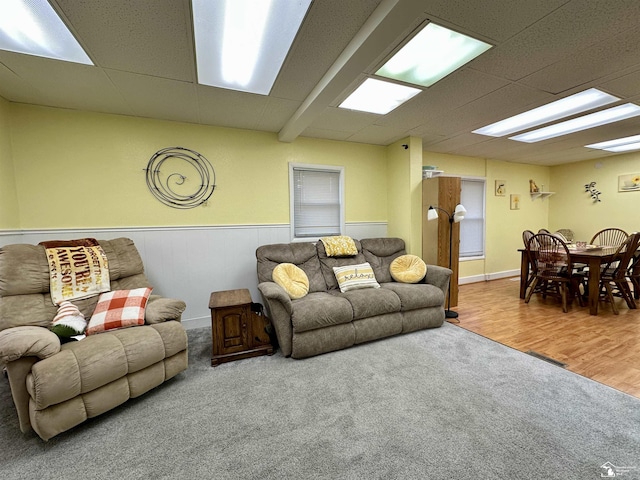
191	262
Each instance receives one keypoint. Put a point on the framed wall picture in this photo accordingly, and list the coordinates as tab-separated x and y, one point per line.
515	201
501	188
629	182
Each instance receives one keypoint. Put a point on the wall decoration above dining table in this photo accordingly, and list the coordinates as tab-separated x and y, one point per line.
629	182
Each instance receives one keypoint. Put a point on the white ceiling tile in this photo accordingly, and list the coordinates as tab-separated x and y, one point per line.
157	97
143	36
276	113
67	85
497	19
229	108
593	62
561	33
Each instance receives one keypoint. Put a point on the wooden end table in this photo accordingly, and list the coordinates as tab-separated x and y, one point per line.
237	327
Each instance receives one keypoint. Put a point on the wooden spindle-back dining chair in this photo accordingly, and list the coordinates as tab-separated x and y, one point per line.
633	274
554	268
526	236
609	237
613	278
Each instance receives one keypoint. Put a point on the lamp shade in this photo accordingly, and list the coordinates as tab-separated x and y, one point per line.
459	213
432	214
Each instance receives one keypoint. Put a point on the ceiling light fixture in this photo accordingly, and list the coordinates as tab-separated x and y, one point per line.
603	117
565	107
242	44
377	96
33	27
431	55
625	144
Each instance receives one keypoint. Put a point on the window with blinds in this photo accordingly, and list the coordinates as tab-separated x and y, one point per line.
472	227
316	201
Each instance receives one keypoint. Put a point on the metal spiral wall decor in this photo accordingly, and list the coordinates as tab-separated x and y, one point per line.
162	184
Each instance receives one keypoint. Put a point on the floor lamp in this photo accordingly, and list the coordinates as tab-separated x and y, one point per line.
455	217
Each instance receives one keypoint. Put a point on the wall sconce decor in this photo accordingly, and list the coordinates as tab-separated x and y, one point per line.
591	189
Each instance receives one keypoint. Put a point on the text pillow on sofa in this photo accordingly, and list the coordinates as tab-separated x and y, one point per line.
353	277
408	269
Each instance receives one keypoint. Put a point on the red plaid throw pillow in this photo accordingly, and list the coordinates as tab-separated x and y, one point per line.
119	309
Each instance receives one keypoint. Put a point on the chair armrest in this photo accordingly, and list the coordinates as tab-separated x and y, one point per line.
160	309
438	276
271	291
28	341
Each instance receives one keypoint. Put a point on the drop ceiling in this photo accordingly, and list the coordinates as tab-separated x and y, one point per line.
543	50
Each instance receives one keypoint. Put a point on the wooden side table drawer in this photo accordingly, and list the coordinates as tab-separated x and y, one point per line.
237	327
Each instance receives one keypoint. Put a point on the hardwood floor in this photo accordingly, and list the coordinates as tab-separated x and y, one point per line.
603	347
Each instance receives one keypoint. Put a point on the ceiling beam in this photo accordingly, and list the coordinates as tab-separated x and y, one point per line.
389	20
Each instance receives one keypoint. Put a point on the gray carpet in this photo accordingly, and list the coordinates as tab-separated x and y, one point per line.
442	403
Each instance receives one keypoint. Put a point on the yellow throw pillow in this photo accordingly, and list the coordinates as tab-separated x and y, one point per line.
353	277
292	278
339	246
408	269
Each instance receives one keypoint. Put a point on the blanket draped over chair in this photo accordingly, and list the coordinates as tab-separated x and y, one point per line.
77	272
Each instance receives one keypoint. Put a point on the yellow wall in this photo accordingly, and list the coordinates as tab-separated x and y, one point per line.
503	226
405	192
9	212
81	169
573	208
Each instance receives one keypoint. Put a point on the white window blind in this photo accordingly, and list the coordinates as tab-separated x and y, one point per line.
472	226
317	201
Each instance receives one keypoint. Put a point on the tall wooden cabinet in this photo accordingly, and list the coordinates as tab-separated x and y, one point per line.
443	192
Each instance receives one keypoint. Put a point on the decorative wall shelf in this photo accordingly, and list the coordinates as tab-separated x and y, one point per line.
431	173
535	195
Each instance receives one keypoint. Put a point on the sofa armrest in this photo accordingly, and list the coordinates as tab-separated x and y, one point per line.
27	341
279	309
271	291
160	309
438	276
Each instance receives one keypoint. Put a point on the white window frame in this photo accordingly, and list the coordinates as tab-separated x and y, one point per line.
482	180
320	168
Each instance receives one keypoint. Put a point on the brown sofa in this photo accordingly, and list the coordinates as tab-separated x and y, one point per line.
58	386
327	319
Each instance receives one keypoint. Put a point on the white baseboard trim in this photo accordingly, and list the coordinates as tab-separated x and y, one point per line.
199	322
488	276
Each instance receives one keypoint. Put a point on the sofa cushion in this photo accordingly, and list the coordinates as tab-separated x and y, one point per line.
369	302
293	279
355	277
119	309
303	255
408	269
415	295
380	252
328	263
318	310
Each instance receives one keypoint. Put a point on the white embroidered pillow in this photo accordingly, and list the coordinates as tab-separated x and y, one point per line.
353	277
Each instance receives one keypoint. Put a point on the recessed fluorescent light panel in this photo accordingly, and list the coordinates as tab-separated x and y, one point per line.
565	107
34	28
431	55
242	44
625	144
377	96
592	120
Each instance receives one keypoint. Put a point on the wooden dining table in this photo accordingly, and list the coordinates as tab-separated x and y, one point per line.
591	257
